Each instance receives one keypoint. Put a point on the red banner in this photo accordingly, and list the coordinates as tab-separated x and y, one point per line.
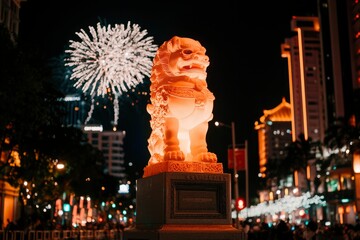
239	158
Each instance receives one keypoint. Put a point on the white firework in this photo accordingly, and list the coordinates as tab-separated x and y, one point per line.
110	59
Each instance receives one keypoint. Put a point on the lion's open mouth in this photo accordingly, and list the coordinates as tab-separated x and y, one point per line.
193	67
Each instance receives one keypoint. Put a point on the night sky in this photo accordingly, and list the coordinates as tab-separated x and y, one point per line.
246	74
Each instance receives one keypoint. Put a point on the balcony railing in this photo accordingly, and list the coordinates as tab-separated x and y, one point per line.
62	235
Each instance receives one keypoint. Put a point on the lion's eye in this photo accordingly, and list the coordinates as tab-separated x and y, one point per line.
187	51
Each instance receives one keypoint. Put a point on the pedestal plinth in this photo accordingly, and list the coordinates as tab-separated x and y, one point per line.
182	166
183	205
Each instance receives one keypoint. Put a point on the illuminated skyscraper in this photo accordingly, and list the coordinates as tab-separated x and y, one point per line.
307	91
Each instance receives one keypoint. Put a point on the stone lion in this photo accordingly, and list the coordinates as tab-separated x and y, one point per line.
181	104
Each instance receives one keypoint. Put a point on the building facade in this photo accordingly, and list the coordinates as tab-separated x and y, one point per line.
111	143
340	41
76	110
274	133
303	52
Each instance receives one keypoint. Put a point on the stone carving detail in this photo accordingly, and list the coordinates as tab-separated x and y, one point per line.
181	104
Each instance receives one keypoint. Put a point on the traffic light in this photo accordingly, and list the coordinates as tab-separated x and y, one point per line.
240	204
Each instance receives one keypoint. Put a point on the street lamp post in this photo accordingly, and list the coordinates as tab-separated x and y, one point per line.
236	188
246	177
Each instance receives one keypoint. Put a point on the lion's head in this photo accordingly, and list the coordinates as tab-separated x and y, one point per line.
179	57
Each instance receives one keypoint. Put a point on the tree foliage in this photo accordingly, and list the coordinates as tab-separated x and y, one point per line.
297	157
341	140
32	138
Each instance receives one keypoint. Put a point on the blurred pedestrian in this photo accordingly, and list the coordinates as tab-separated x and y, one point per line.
283	231
10	226
310	230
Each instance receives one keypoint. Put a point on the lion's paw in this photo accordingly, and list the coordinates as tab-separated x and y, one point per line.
174	156
206	157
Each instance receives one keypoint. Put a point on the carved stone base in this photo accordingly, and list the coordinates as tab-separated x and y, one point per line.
186	206
182	166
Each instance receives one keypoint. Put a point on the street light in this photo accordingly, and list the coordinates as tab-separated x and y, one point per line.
60	166
236	189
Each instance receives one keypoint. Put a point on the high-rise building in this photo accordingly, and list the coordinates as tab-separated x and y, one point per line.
111	143
76	110
303	52
274	133
340	38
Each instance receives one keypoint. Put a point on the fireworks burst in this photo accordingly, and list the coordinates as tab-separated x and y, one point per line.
111	60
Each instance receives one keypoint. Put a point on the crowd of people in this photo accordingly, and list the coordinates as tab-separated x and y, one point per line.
282	230
310	230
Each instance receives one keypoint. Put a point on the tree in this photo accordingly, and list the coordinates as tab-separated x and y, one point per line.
299	152
341	140
32	138
297	158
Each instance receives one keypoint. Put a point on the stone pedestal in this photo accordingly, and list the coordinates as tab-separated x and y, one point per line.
183	205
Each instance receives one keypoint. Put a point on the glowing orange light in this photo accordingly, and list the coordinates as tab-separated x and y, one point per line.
348	209
341	210
356	162
308	172
296	178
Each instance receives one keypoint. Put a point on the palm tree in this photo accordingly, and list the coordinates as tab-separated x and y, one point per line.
341	140
301	154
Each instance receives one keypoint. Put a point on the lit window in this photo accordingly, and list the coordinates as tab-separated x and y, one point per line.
333	184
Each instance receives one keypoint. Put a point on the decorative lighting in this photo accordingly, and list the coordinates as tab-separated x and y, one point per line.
287	204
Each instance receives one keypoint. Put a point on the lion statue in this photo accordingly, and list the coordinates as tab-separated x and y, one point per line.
181	104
